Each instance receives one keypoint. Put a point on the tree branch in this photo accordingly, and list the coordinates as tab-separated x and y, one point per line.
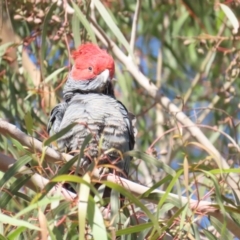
36	182
33	145
153	91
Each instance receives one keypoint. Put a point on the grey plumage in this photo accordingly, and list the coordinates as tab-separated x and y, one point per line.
90	102
101	115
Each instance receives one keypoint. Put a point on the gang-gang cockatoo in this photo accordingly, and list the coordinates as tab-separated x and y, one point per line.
89	101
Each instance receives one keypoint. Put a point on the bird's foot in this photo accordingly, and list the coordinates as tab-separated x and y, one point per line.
103	171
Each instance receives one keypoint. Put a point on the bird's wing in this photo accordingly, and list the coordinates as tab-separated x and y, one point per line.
56	117
130	121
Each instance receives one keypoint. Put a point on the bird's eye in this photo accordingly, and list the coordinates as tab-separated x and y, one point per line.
90	68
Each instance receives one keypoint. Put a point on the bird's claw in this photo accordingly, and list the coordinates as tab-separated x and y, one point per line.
103	171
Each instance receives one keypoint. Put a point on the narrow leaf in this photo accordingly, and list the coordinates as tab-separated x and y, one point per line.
83	194
4	47
53	75
13	169
15	233
43	49
134	229
81	155
59	134
75	179
96	221
231	17
112	26
84	22
42	202
5	197
186	174
29	122
136	201
76	30
15	222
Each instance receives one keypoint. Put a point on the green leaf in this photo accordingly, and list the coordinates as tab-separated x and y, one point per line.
6	197
151	160
23	196
43	202
218	198
76	179
209	235
2	237
56	136
81	155
96	221
53	75
29	122
169	188
115	206
221	228
112	26
43	49
134	229
184	216
18	145
62	209
156	186
221	171
136	201
64	169
236	198
15	222
83	194
236	218
231	17
3	49
173	218
15	233
14	169
84	22
196	232
46	80
76	30
53	236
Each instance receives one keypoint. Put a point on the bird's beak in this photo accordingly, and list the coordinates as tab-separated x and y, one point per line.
105	76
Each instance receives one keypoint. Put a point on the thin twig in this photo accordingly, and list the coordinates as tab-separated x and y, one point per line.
36	182
159	69
200	207
208	58
165	102
135	25
65	5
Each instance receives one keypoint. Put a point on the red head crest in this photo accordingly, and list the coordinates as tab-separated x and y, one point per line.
90	61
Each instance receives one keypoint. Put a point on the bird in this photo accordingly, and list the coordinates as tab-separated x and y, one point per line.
89	101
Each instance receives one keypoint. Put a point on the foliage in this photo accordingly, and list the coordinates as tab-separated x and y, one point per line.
189	51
